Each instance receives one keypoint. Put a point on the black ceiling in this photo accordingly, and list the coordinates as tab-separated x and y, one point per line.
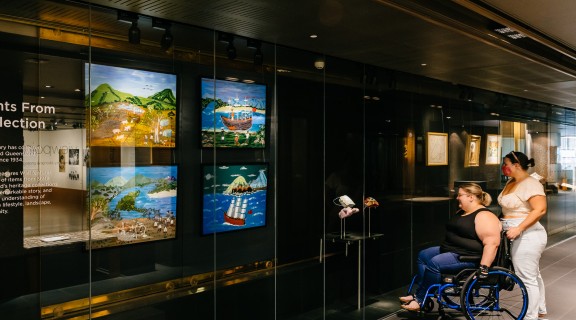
454	39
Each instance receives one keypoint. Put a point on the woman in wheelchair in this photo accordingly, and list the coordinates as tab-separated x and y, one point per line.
473	231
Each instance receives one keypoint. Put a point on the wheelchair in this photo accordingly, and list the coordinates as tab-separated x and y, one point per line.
502	295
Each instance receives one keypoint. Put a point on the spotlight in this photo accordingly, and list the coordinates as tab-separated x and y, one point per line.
319	63
126	16
134	31
231	51
229	39
167	39
258	56
253	44
466	94
225	37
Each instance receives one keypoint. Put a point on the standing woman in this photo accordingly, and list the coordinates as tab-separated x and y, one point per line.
523	203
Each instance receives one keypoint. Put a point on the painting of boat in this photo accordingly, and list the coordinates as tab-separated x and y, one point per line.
237	124
236	214
233	114
234	197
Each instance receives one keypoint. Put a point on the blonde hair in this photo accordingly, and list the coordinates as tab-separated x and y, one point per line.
475	190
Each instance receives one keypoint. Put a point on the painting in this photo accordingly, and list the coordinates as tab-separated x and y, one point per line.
233	114
472	157
74	157
85	156
436	149
130	107
132	204
61	160
234	197
493	149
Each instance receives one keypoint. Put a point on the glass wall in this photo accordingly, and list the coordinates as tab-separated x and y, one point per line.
159	169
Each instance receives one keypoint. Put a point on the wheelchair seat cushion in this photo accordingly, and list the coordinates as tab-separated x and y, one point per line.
470	259
458	278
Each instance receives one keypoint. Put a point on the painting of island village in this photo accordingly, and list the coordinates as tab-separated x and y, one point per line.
130	107
233	114
234	197
132	204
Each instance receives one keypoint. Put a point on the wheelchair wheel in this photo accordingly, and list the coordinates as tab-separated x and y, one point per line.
451	297
428	306
502	295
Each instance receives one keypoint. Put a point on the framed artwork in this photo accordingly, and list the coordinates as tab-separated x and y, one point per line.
74	156
436	149
472	157
233	114
130	107
61	160
234	197
493	149
85	156
132	204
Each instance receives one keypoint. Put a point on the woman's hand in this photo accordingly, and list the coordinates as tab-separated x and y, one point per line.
513	233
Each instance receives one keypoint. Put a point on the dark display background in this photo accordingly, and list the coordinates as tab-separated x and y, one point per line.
11	223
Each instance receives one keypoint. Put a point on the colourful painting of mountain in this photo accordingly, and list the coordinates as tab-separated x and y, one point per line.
129	107
234	197
132	204
233	114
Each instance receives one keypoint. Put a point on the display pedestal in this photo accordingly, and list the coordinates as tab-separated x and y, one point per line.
349	238
119	262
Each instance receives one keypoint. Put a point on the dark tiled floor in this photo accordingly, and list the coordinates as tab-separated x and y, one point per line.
558	266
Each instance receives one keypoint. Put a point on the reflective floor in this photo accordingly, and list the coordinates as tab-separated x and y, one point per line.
558	267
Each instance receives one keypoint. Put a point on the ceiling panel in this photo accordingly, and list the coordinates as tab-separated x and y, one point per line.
454	40
399	35
553	18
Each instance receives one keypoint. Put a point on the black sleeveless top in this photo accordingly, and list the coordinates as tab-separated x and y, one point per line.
461	236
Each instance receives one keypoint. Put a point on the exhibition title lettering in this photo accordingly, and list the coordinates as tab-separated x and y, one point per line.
24	123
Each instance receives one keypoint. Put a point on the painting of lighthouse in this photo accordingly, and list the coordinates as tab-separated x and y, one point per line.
234	197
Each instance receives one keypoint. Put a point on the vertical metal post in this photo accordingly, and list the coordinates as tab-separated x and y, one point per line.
359	273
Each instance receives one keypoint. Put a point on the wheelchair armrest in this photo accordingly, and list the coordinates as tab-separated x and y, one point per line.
470	258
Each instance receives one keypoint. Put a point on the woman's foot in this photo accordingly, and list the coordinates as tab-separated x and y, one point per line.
411	306
542	316
406	299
